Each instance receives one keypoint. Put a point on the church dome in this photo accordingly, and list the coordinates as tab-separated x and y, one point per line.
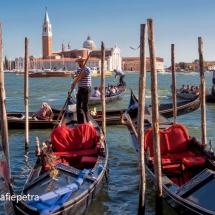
89	44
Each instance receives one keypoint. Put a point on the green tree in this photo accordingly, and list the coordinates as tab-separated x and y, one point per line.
182	65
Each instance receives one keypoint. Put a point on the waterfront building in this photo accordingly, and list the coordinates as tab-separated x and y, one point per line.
133	64
64	59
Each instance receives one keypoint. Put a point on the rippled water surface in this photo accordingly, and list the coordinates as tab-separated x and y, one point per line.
120	194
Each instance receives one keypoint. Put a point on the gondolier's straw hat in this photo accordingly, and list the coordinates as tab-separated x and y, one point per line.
80	59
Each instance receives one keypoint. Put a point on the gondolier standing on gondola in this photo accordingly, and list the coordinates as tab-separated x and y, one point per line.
84	89
121	75
213	78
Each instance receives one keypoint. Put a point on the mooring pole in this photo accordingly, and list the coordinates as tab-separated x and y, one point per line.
202	92
4	125
141	112
103	89
4	161
155	119
174	84
26	95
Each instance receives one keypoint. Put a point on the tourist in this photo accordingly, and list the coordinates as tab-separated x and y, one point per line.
112	90
84	89
121	75
188	89
96	92
197	91
45	112
213	79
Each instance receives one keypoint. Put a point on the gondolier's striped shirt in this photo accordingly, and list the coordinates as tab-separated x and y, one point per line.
86	80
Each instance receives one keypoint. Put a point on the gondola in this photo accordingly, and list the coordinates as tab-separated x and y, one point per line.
208	97
16	120
118	96
188	169
69	172
184	107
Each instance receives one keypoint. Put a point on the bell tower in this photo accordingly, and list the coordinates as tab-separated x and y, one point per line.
46	36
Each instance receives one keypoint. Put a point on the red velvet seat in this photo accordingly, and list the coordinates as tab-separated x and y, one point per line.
72	145
181	155
88	160
192	162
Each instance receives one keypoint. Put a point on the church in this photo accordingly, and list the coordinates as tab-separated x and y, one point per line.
65	58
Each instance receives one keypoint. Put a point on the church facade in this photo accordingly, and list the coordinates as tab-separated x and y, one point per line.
65	58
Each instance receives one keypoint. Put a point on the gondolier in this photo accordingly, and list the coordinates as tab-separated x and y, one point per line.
84	89
121	75
213	78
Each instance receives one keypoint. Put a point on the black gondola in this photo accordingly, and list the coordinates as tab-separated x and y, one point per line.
188	169
16	120
59	169
114	98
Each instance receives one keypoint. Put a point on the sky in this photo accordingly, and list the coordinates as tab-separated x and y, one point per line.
113	22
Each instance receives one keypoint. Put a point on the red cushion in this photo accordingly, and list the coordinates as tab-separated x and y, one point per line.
65	139
171	168
75	153
178	138
180	156
148	142
88	160
193	161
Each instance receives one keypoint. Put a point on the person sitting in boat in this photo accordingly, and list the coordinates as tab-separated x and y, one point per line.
192	90
107	92
117	89
96	92
112	91
182	89
197	91
121	75
213	78
45	112
188	89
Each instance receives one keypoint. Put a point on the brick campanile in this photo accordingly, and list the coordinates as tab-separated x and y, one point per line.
46	36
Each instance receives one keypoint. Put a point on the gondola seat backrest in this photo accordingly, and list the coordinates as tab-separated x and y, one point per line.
173	140
148	142
66	139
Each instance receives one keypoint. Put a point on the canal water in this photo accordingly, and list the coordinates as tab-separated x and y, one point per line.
120	194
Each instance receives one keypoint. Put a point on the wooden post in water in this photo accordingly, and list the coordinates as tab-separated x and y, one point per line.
202	92
174	84
141	112
103	89
4	125
5	165
155	119
26	95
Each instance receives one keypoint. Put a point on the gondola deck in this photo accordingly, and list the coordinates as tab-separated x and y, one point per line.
49	177
188	170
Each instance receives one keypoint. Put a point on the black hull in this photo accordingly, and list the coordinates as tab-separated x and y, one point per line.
78	206
112	116
195	196
97	100
39	182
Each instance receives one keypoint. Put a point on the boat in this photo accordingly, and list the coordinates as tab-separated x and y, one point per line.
47	73
166	110
16	120
188	168
189	96
68	173
118	96
94	72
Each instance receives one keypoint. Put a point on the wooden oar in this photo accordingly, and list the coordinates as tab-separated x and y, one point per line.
75	81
